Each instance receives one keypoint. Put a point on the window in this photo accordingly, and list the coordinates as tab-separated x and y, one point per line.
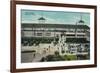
39	34
48	34
80	30
71	30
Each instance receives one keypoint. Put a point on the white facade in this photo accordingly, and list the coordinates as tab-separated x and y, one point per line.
62	32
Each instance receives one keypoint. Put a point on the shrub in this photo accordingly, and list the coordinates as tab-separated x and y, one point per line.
63	51
43	59
56	53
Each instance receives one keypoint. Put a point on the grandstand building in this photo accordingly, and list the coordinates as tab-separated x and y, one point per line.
64	38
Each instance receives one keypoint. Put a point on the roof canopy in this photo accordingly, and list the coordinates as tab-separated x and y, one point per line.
36	25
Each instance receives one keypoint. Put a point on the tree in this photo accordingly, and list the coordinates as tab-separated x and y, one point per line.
56	53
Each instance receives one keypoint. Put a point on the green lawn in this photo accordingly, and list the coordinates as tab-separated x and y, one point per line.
70	57
59	58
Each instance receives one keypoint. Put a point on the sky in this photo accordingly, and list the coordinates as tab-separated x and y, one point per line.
56	17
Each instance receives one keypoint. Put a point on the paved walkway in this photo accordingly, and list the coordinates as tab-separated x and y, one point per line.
38	57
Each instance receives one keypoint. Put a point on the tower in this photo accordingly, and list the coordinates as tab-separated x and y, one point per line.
81	22
41	19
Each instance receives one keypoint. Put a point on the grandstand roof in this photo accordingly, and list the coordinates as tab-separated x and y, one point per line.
38	25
